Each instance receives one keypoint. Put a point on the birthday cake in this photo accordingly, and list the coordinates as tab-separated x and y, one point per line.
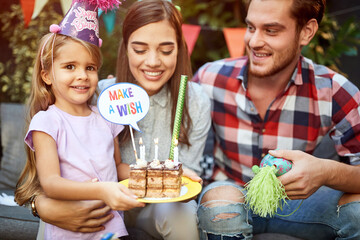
137	179
157	179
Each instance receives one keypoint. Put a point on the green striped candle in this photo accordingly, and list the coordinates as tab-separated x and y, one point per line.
178	114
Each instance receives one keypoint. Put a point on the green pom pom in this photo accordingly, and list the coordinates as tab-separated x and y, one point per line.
265	193
255	169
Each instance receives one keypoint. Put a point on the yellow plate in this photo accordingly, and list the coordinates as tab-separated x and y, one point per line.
189	189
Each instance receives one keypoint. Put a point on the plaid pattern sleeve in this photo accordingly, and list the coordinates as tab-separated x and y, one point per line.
316	101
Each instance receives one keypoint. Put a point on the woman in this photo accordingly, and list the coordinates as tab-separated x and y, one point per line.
153	54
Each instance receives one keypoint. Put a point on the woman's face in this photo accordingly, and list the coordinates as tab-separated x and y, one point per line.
152	52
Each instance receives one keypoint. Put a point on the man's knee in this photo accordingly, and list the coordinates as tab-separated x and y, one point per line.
348	198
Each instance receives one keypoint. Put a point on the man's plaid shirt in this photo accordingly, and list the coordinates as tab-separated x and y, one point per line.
316	101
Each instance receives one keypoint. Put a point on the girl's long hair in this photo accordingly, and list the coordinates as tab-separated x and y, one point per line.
140	14
41	97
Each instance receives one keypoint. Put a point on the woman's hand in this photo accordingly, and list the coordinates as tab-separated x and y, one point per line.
187	172
76	216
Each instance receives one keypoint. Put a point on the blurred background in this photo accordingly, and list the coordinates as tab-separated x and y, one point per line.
213	30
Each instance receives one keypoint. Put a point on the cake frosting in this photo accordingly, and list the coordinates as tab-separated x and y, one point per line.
157	179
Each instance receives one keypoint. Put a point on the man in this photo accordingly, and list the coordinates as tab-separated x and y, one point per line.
276	99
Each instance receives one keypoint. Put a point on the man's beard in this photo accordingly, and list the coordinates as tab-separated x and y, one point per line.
280	63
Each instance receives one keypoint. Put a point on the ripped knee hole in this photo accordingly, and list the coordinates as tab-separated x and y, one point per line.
223	216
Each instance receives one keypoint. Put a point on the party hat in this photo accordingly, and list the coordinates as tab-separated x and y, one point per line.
81	21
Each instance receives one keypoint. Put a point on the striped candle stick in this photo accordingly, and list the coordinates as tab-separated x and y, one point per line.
178	114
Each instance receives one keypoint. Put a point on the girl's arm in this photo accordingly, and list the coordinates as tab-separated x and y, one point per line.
123	169
113	194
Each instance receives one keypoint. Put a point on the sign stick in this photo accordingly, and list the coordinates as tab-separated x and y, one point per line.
133	142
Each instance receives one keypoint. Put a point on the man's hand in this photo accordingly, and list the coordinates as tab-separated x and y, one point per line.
306	176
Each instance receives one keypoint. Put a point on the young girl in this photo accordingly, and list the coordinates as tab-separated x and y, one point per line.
153	54
68	142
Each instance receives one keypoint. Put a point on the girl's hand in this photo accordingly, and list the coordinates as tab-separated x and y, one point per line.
119	197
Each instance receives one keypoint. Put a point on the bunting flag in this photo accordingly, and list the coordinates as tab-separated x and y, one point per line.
109	21
191	33
65	5
39	5
27	7
234	38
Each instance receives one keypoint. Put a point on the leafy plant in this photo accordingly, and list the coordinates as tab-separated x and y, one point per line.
332	41
15	73
213	16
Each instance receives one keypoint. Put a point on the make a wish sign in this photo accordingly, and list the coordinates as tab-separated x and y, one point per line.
124	103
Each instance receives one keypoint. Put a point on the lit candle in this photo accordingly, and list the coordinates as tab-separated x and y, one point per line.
156	141
142	149
176	152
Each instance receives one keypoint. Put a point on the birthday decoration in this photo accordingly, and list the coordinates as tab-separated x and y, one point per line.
109	20
191	34
124	103
27	9
39	5
178	114
65	5
234	38
282	166
265	193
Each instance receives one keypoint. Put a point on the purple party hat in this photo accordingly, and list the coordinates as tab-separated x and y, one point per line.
81	21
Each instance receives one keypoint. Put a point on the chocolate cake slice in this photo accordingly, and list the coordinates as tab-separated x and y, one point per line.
137	180
155	179
172	179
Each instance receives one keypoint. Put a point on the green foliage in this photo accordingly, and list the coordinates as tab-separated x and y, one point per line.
111	42
15	73
332	41
329	44
213	16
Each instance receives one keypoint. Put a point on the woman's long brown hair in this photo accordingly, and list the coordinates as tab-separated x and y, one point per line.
140	14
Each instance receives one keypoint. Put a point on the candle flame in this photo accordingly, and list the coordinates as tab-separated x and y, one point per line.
156	140
140	141
176	142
